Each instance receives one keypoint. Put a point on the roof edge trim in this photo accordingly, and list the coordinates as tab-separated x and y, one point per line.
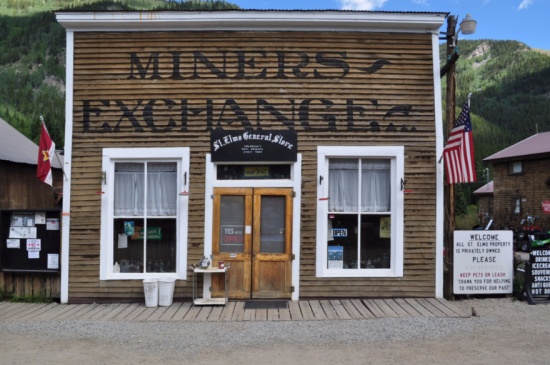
252	20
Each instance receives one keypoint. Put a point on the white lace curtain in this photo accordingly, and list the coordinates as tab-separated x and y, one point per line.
372	186
130	189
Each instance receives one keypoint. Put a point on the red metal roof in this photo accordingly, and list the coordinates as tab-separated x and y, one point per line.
486	189
538	144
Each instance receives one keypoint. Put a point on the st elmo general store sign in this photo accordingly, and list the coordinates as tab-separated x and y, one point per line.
177	114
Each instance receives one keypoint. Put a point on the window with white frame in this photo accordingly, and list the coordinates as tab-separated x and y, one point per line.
360	211
144	213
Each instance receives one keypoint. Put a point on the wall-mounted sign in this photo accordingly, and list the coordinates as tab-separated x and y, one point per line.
546	206
483	262
257	145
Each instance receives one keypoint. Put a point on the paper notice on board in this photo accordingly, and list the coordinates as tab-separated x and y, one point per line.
40	218
34	254
52	224
53	261
34	245
13	243
22	232
122	241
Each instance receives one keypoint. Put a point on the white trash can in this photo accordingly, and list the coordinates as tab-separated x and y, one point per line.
151	291
166	291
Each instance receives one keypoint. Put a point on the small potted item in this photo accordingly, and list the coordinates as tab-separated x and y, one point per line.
204	263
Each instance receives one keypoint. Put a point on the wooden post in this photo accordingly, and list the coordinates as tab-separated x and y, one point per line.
450	192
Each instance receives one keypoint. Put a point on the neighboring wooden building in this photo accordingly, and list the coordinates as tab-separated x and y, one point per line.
521	176
21	193
485	203
281	142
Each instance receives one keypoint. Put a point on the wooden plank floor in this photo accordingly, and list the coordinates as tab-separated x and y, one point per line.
303	310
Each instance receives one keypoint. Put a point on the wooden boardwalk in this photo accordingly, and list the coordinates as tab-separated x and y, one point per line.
303	310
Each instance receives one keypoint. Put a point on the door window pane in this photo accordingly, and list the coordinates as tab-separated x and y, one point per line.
232	223
272	229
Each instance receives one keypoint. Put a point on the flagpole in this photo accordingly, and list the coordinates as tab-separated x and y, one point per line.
56	156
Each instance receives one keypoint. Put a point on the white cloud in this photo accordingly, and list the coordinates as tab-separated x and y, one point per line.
525	4
362	4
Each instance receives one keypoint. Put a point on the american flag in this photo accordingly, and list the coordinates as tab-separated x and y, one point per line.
459	151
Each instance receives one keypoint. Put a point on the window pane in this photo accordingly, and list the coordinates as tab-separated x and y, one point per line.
375	186
161	188
161	245
343	240
272	225
343	185
232	223
375	241
129	189
128	245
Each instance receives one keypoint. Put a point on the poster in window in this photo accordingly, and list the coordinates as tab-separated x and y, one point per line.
335	257
129	228
122	241
385	227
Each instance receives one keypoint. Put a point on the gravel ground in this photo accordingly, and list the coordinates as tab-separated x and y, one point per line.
504	331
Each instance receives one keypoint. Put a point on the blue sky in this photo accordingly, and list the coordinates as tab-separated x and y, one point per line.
526	21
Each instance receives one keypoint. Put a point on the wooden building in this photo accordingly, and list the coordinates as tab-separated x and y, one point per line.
521	177
485	204
300	147
22	194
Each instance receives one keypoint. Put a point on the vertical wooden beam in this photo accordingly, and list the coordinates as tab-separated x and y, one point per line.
450	192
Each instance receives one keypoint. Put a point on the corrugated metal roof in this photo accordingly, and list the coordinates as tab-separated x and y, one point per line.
538	144
15	147
485	189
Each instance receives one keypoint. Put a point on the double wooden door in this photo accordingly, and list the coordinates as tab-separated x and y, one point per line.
252	232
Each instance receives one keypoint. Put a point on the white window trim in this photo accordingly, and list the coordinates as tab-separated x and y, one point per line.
112	155
396	155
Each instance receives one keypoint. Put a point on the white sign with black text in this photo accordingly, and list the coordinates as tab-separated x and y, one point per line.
483	262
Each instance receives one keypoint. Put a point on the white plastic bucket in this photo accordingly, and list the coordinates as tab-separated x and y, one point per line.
151	291
166	291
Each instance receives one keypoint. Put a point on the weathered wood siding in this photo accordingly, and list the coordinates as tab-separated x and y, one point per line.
333	88
20	189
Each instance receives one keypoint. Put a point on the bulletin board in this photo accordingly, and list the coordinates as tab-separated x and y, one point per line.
31	241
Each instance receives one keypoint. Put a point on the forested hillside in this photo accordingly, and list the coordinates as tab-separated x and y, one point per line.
510	87
509	82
